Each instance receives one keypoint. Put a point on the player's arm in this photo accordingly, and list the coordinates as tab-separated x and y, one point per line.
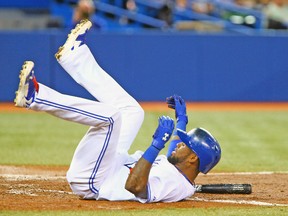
138	178
178	104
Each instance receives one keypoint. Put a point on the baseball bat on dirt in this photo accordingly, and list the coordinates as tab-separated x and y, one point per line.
224	188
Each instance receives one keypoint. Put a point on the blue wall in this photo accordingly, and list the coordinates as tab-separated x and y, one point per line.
25	3
152	66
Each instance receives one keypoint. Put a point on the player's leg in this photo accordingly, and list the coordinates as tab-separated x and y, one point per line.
94	153
38	97
76	58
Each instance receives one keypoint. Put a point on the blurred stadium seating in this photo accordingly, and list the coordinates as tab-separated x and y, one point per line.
149	14
208	56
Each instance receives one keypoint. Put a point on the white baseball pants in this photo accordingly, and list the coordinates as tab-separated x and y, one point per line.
114	121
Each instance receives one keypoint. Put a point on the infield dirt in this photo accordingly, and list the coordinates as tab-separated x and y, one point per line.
45	188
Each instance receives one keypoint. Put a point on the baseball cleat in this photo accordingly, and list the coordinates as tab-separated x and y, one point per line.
26	90
75	39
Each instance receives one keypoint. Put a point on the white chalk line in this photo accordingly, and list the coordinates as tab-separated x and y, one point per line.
31	192
243	202
19	177
251	173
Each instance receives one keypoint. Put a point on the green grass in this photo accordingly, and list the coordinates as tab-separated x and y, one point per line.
163	212
250	141
37	138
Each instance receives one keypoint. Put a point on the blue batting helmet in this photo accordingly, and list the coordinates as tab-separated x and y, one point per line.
204	145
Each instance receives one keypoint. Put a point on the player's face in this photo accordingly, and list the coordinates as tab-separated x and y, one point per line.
180	154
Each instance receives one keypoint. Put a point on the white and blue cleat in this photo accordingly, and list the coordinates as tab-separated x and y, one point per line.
26	91
75	39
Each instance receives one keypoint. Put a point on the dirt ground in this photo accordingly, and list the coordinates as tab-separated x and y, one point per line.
45	188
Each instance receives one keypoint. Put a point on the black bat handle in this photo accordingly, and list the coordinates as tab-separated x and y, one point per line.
225	188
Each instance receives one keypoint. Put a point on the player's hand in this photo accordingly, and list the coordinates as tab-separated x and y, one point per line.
163	132
178	104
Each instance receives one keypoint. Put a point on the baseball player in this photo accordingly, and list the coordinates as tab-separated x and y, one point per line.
101	167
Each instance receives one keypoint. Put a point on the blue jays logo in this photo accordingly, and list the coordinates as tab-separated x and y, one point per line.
130	166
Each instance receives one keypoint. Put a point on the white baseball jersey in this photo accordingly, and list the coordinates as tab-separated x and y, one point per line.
165	183
100	165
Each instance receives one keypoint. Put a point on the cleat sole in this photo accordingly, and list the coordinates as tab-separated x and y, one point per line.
20	100
72	37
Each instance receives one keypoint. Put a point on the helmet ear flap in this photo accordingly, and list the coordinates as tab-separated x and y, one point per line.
183	136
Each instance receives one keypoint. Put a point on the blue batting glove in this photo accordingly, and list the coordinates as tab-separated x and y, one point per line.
163	132
178	104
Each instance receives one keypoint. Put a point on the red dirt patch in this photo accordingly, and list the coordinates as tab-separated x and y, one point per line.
45	188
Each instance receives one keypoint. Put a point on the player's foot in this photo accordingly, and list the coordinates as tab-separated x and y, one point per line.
75	39
26	91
